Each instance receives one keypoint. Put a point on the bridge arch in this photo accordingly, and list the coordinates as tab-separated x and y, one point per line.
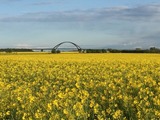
56	47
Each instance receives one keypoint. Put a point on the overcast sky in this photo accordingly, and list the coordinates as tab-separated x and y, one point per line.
88	23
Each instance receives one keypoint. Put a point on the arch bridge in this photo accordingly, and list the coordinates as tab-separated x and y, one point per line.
56	47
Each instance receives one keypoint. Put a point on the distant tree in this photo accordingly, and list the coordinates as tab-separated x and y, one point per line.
58	51
154	50
138	49
104	51
55	51
8	50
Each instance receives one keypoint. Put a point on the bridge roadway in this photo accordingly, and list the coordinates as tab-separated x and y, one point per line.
57	46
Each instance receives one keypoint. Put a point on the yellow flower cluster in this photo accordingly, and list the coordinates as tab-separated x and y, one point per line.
80	86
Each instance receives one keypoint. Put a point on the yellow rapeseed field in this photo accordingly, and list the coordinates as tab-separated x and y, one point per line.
79	86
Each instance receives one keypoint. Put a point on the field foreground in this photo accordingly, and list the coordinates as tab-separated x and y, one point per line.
80	86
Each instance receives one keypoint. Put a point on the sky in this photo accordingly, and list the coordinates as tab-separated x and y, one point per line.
121	24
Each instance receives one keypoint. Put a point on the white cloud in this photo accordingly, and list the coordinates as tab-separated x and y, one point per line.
140	13
23	45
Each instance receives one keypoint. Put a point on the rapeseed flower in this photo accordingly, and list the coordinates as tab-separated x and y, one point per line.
80	86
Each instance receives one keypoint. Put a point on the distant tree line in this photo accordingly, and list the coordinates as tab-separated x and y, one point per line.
10	50
137	50
95	51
